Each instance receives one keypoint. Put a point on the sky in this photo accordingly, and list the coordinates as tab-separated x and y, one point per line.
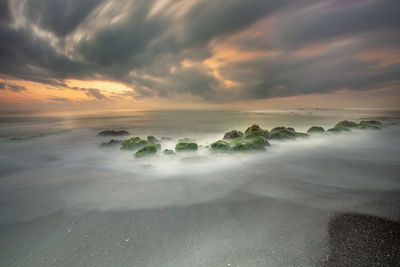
253	54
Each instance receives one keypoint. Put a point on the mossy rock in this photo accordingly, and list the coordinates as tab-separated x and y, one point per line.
112	142
147	150
152	140
257	143
255	131
279	133
336	130
186	146
164	138
301	135
233	135
221	146
346	124
169	152
370	123
315	130
133	143
113	133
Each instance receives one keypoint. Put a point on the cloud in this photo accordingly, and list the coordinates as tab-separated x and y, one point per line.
15	88
160	48
96	93
12	87
59	99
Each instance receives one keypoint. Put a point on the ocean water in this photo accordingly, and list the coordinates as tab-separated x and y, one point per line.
66	201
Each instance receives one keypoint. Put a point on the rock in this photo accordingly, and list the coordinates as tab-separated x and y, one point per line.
233	134
113	133
169	152
186	146
370	123
255	130
133	143
346	124
221	146
336	130
147	150
315	130
279	133
152	140
166	138
112	142
301	135
256	143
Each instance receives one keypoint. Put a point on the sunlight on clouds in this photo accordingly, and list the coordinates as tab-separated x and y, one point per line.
106	87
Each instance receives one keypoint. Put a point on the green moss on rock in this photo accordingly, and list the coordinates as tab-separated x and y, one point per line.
147	150
255	131
315	130
336	130
279	133
301	135
346	124
257	143
186	146
370	124
133	143
221	146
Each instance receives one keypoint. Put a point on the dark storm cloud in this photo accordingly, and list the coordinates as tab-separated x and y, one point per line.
59	16
49	41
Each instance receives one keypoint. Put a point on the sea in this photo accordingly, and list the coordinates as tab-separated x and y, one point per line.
65	200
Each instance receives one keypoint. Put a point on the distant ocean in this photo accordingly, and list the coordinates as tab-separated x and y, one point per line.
67	201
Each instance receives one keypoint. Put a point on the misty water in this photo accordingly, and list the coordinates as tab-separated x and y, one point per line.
66	201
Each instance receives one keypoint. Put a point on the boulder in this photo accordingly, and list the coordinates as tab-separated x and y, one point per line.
133	143
113	133
315	130
186	146
300	135
336	130
152	140
221	146
164	138
145	151
233	134
346	124
256	143
279	133
112	142
370	123
255	131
